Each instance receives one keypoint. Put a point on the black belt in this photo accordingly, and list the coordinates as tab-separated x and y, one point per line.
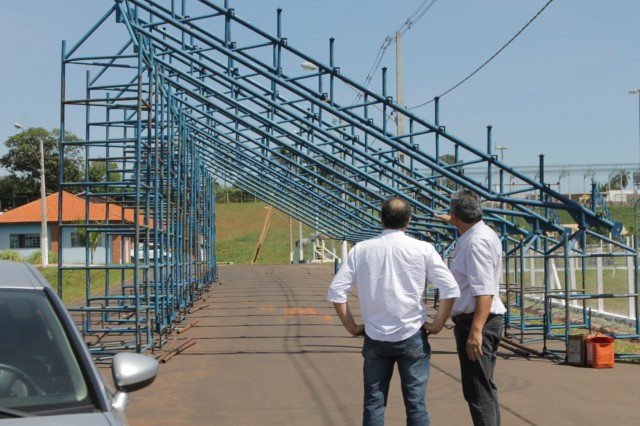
460	318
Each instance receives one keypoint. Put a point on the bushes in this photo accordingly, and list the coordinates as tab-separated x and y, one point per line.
35	258
11	255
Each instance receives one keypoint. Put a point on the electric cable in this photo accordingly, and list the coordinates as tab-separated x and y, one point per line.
413	19
488	60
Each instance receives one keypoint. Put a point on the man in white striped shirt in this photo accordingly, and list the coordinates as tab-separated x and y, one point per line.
391	272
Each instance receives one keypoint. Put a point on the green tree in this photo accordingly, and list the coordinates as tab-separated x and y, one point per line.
93	240
23	158
448	159
12	192
617	181
232	194
98	172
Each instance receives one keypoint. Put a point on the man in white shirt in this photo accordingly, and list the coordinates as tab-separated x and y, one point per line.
391	272
478	313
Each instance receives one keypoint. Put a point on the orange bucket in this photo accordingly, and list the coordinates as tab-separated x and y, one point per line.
600	351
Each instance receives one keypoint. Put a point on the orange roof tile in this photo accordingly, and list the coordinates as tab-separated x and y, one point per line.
73	211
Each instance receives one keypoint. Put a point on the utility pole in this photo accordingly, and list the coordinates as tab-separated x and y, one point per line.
399	91
502	148
633	173
290	241
44	246
44	240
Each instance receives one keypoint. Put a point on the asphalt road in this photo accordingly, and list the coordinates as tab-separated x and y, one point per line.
269	350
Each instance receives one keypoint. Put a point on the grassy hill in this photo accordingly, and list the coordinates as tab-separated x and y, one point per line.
624	214
238	228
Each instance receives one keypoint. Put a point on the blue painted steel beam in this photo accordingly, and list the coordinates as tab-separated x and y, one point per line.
385	101
202	94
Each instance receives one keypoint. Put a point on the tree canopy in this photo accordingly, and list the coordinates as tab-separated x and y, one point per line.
13	192
23	158
617	181
22	161
448	159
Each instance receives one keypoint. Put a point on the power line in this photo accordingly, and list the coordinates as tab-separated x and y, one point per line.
413	19
488	60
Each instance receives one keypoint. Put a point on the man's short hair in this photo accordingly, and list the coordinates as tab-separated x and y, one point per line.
395	213
466	205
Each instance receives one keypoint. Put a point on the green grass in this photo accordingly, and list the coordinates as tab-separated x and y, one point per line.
621	346
238	231
237	234
615	281
73	282
623	214
238	228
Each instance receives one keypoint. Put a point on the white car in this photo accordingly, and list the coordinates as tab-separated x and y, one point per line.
47	375
149	248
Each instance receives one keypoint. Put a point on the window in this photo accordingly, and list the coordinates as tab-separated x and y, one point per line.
34	340
77	239
20	241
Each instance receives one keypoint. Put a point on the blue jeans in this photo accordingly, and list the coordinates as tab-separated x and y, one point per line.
413	356
478	387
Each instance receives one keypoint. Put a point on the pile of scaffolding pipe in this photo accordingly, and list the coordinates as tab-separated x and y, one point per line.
520	346
190	311
168	355
183	329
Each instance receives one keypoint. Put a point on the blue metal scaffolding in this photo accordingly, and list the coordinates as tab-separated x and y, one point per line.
198	94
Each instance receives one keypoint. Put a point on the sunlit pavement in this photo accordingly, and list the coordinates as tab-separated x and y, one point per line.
269	350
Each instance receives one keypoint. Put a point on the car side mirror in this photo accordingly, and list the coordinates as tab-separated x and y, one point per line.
133	371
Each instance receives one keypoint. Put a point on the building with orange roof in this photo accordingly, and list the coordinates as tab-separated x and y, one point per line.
20	229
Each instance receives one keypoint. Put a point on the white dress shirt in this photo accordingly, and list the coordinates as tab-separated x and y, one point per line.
477	267
391	272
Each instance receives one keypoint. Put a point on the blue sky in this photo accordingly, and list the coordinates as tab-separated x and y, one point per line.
560	89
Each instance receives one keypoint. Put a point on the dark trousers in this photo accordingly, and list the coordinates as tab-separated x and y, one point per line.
413	357
478	387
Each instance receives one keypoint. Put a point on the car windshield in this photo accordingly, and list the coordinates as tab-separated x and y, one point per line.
39	372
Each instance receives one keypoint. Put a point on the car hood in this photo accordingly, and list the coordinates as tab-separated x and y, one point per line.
93	419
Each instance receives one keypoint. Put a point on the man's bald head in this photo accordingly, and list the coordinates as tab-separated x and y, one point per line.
395	213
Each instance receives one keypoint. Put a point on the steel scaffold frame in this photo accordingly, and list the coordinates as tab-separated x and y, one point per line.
161	193
205	95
